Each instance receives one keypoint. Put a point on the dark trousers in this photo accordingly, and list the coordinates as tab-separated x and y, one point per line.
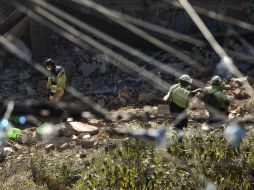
214	118
176	112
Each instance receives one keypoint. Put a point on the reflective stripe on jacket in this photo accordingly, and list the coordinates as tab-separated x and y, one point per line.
179	95
58	79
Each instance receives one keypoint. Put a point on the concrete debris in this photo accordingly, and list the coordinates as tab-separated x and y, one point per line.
84	128
17	147
87	136
88	143
30	92
64	147
49	147
82	153
163	111
202	71
110	146
8	150
2	156
42	87
73	144
74	137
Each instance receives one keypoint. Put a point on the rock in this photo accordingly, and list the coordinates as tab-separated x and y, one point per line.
30	91
67	63
73	144
11	73
82	153
2	156
64	146
110	146
202	71
84	128
42	87
17	147
237	91
88	143
49	147
87	136
24	75
163	110
70	119
240	80
74	137
8	151
25	139
95	122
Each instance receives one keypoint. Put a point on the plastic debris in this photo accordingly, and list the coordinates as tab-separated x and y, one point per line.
22	120
13	133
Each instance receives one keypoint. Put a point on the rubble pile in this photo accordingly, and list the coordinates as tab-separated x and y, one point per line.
90	72
71	135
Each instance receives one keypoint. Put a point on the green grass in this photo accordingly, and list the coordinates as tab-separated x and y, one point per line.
200	159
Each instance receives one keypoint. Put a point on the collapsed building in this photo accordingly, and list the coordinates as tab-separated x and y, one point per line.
91	71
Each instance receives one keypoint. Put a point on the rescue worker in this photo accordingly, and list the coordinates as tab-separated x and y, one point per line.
178	96
57	81
215	97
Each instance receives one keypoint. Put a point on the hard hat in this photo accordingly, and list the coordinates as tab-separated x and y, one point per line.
49	61
186	78
215	80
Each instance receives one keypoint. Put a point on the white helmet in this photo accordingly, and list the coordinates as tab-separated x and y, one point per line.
186	78
215	80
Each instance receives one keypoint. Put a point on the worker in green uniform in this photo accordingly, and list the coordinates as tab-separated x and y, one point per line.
57	81
215	97
178	96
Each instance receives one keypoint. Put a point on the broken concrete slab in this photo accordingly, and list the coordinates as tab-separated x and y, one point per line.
84	128
17	147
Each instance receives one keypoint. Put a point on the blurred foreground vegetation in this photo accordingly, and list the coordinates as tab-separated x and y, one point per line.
194	163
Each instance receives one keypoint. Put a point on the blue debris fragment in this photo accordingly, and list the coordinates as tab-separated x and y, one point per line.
234	133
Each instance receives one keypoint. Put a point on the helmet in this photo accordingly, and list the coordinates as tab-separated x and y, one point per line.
215	80
49	61
50	64
186	78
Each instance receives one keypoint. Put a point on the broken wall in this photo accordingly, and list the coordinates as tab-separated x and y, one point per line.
166	15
